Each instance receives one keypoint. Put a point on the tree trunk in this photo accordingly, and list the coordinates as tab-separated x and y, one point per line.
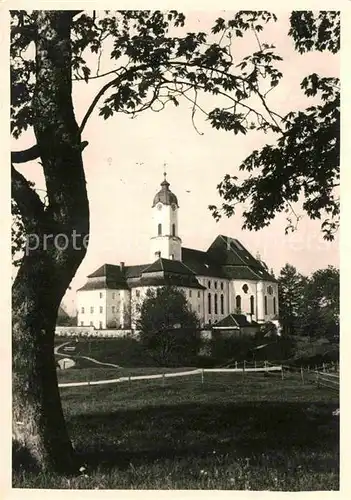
62	227
40	438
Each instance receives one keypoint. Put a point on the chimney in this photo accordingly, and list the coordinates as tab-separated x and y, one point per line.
121	264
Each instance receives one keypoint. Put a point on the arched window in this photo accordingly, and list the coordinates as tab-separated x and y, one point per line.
222	303
265	305
238	302
173	230
274	306
209	304
245	288
159	230
252	304
215	304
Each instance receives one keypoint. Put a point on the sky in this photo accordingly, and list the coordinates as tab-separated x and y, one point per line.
125	160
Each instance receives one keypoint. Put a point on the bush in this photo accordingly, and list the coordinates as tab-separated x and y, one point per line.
168	330
278	349
228	348
315	352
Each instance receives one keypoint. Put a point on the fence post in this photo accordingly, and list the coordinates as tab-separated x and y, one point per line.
202	376
244	366
282	373
255	365
317	379
303	381
163	379
265	365
236	365
324	367
130	381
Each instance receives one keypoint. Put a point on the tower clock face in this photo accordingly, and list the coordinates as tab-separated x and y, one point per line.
173	207
159	206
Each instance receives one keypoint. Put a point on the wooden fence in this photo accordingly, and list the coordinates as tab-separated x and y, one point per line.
327	380
326	376
245	368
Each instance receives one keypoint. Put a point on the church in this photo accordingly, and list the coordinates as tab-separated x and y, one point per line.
221	284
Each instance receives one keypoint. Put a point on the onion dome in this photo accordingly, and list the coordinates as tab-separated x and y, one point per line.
165	195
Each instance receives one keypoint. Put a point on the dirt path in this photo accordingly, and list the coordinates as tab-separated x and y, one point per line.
74	356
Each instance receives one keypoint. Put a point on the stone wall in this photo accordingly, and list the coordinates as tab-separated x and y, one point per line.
90	331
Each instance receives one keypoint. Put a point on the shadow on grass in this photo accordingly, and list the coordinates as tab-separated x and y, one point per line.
193	431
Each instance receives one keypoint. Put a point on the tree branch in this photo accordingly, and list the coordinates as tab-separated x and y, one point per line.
28	201
33	152
26	155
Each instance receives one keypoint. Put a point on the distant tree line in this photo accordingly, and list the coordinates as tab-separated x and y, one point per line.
309	305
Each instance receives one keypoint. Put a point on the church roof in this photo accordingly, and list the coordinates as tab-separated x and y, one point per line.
106	276
200	263
165	195
229	251
108	270
247	273
134	271
168	272
181	280
226	258
168	266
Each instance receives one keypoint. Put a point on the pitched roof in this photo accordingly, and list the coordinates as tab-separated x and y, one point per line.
226	250
106	276
229	252
134	271
201	263
226	258
247	273
168	266
235	321
102	285
110	271
168	280
171	272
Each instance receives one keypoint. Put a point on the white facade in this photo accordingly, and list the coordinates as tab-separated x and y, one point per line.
165	241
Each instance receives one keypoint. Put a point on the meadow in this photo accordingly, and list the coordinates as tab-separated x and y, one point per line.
252	432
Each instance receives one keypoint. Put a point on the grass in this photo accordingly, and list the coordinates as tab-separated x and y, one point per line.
124	351
232	432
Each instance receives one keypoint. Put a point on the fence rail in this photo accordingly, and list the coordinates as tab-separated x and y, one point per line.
327	380
199	371
323	376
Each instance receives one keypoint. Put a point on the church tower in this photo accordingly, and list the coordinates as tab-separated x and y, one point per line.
165	241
